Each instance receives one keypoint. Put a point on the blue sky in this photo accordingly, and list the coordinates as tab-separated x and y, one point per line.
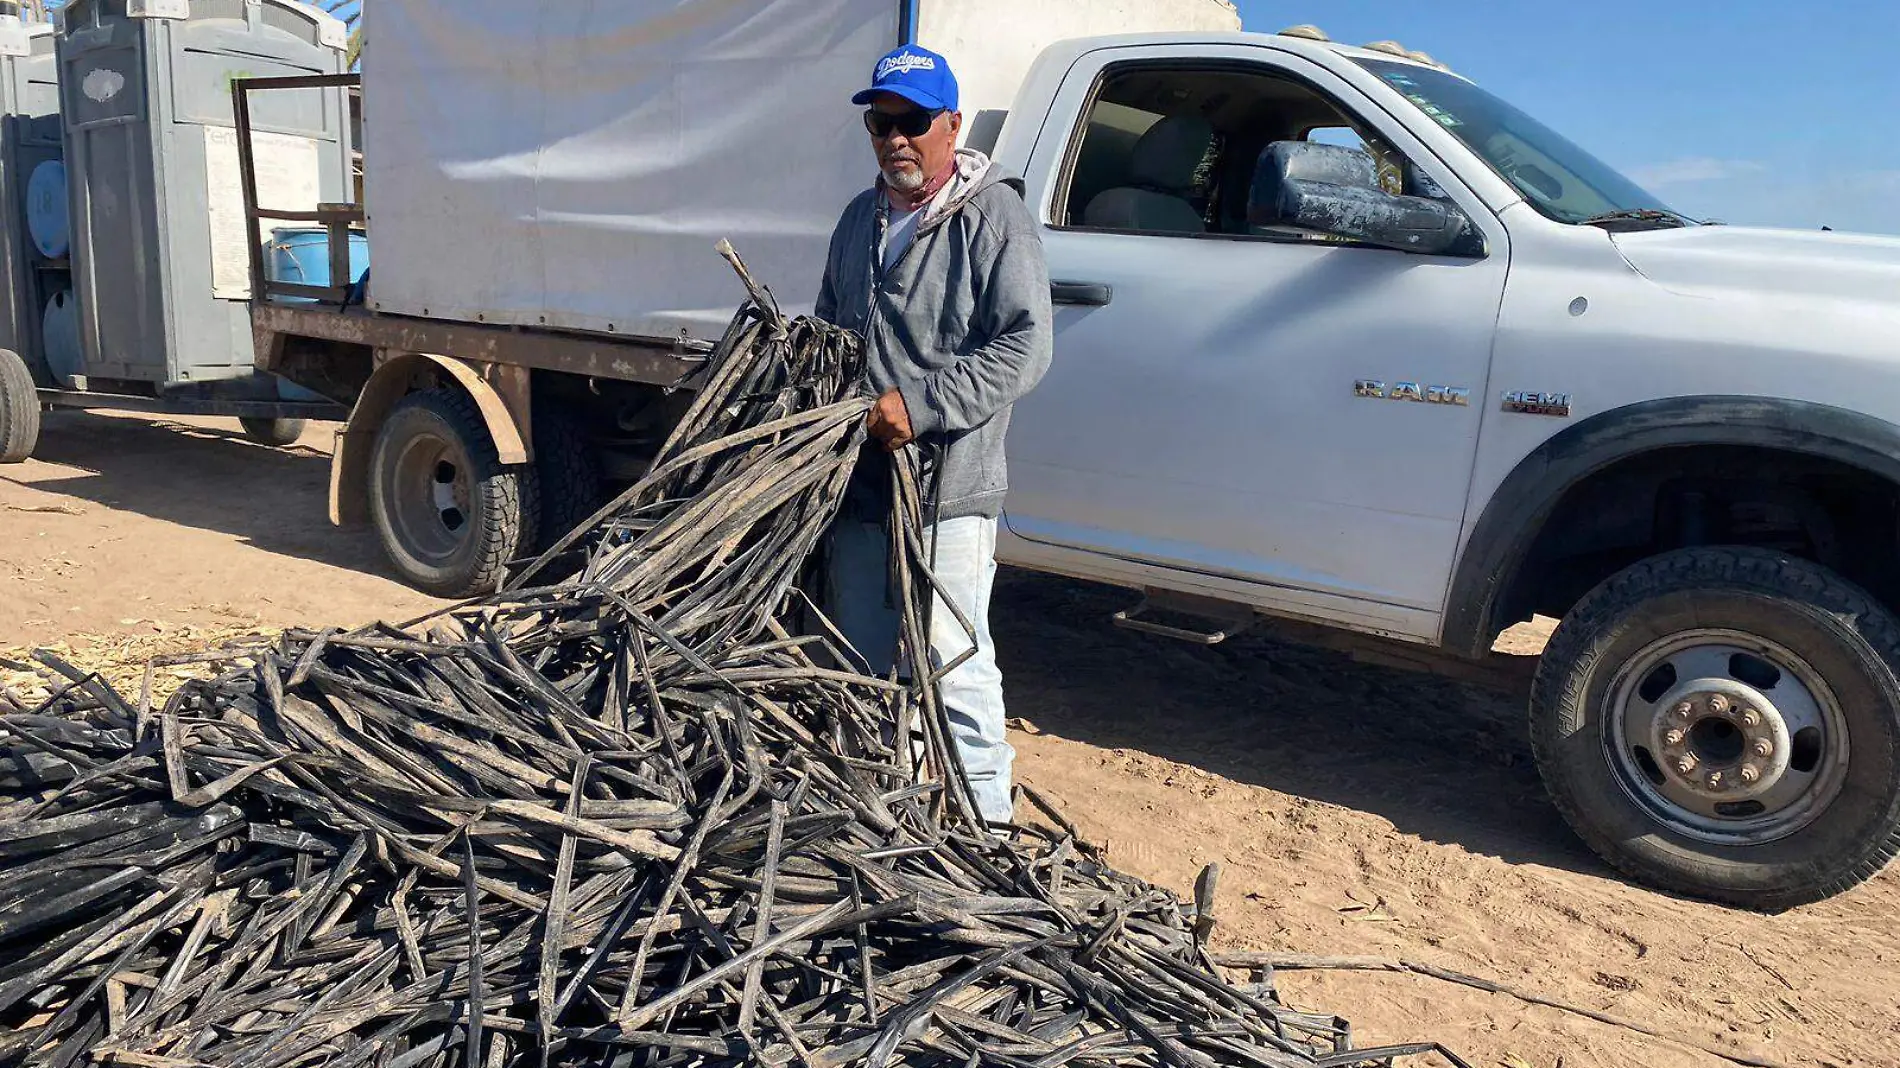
1754	113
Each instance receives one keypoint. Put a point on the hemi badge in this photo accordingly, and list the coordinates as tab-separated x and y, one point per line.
1529	402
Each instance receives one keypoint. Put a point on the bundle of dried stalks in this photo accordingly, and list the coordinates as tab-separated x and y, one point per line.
630	817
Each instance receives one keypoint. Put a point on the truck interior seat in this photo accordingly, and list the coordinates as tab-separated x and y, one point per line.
1161	172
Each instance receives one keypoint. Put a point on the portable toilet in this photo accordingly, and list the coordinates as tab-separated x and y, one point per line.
162	246
34	268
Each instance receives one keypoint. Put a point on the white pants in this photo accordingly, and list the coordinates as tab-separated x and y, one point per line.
858	600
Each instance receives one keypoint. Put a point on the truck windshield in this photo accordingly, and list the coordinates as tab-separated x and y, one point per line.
1558	179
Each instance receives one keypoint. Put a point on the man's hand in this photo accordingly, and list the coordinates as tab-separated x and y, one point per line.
889	421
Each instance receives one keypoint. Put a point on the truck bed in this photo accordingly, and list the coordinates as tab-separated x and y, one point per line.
644	360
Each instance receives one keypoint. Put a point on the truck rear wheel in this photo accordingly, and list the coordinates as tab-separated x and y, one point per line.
449	513
1725	723
568	473
19	409
273	432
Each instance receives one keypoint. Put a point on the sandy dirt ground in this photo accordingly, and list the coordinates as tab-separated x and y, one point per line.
1355	810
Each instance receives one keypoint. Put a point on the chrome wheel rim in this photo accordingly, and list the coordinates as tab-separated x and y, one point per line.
431	495
1726	737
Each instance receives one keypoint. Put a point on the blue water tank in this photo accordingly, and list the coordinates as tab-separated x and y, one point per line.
302	255
59	338
48	218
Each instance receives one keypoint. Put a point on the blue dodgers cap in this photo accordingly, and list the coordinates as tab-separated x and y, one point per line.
918	75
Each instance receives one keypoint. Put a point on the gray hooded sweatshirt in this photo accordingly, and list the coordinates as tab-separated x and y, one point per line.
960	324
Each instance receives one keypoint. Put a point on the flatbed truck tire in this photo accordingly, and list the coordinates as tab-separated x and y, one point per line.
568	473
449	514
273	432
19	409
1725	723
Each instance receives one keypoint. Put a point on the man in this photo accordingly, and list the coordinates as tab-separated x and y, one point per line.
939	265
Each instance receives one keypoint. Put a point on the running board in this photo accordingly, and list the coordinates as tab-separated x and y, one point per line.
1230	618
1503	673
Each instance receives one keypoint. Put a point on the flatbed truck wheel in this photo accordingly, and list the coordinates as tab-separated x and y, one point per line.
568	473
450	515
273	432
19	409
1725	723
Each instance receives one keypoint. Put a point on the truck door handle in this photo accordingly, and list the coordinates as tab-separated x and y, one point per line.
1086	294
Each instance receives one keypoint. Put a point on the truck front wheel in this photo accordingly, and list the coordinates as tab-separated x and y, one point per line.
1725	723
449	513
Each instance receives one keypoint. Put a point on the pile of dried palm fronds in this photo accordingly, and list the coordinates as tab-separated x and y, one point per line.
130	660
626	818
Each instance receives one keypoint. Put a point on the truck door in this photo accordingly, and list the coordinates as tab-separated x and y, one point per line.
1210	417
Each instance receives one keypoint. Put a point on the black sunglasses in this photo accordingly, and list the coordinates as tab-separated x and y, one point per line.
912	123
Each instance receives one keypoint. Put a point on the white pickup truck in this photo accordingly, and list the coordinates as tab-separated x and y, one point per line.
1343	341
1505	381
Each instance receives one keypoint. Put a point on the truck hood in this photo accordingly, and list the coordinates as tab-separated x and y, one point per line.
1711	259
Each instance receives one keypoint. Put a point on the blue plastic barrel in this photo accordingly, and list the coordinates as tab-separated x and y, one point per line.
302	256
59	338
46	212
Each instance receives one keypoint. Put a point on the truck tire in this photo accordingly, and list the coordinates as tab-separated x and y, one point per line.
449	513
1725	723
19	409
568	472
273	432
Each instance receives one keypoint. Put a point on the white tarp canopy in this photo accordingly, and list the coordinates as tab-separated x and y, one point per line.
572	164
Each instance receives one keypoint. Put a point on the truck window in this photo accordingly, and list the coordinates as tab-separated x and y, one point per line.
1102	162
1556	177
1172	149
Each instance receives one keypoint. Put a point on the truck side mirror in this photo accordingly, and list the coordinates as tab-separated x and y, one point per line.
1327	189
